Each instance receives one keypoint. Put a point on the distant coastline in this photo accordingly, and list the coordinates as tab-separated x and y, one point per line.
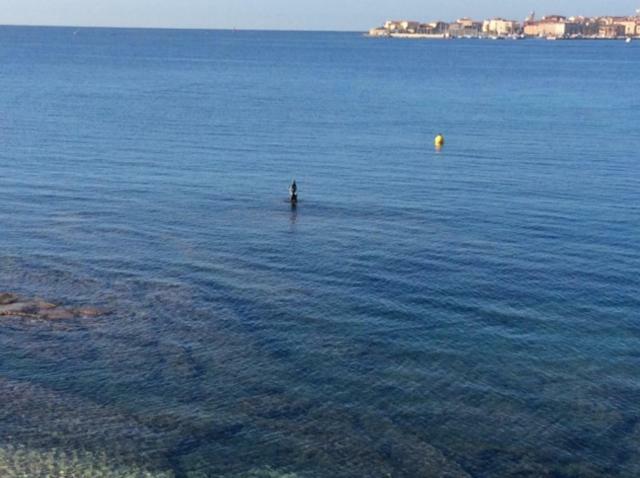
551	27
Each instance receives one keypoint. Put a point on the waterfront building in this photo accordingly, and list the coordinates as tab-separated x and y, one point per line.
379	32
410	29
611	30
554	26
554	18
500	27
401	26
589	26
433	28
630	25
391	25
465	27
550	26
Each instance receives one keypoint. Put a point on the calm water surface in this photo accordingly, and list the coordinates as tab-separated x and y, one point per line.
473	312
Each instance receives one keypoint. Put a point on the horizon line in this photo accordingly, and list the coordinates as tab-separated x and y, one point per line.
225	29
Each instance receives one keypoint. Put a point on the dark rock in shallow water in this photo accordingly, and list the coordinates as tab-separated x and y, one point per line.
6	299
12	305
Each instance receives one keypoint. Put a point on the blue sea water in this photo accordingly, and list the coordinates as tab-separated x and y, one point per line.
468	312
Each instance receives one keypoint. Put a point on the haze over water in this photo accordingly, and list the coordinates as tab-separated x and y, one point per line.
472	312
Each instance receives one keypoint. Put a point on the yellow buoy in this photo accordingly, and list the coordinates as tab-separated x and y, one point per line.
439	141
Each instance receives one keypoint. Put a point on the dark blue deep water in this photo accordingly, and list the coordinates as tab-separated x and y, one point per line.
472	312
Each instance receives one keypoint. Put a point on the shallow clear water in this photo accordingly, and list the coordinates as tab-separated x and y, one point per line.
472	312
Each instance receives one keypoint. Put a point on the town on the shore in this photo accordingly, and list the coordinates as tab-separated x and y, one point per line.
551	27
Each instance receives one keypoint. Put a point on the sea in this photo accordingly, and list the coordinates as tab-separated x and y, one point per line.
468	312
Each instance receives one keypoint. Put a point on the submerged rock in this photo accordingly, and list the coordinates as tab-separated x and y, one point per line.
51	433
12	305
6	298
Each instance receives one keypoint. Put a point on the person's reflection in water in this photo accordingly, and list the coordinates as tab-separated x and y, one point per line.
294	214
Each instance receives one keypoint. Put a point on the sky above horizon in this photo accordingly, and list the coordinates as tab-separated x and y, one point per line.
285	14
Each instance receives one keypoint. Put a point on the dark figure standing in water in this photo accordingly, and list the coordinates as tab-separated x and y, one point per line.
293	192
